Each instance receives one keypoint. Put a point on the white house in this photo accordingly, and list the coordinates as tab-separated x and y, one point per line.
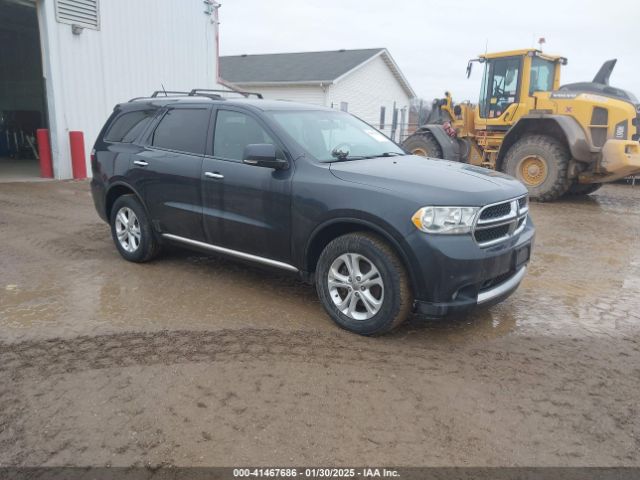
367	83
65	63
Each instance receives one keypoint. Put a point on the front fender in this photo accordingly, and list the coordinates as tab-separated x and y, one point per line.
367	222
450	147
575	136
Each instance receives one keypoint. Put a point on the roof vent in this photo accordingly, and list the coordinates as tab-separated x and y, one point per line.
243	55
82	13
342	50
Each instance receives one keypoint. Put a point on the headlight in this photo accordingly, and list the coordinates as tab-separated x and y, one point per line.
445	219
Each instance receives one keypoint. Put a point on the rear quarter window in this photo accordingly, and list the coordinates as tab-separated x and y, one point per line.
128	126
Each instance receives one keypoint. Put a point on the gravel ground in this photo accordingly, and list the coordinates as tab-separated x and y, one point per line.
195	360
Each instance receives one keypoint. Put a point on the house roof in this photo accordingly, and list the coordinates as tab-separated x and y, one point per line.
310	68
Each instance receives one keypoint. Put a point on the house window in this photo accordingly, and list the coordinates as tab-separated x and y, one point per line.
85	13
383	112
344	106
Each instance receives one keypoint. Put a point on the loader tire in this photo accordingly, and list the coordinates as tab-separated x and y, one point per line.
583	188
541	163
423	144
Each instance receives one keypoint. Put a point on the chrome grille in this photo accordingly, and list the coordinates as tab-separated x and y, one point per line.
523	202
500	221
495	211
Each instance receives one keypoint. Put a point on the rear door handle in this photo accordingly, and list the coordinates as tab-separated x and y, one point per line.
213	175
142	163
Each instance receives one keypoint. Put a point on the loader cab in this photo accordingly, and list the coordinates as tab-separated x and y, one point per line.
542	75
509	84
500	90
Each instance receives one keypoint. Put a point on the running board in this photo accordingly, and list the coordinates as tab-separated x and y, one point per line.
233	253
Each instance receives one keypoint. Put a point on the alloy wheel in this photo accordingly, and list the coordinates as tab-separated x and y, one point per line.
355	286
128	229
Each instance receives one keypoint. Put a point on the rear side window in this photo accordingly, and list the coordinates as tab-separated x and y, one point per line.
183	129
127	127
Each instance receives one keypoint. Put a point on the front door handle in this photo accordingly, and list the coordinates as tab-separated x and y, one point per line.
142	163
213	175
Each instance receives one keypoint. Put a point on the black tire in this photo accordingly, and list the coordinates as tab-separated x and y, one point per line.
423	144
555	156
397	299
583	188
148	246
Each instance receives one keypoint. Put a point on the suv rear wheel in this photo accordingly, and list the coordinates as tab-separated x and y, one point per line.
363	285
131	230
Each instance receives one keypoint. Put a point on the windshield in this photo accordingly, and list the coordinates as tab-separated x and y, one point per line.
332	135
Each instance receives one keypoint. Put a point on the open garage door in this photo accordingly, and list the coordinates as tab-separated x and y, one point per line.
22	93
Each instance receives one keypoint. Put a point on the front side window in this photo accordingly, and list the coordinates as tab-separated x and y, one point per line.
183	129
234	131
322	133
502	77
542	75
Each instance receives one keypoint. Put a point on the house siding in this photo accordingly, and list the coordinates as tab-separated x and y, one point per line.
368	88
365	90
304	94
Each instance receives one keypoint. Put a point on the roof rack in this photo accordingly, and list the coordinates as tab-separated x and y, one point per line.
166	93
198	92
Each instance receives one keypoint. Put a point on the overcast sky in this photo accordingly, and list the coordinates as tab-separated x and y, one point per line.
432	41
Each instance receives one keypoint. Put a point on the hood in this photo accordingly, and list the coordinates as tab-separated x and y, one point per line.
429	181
600	85
571	90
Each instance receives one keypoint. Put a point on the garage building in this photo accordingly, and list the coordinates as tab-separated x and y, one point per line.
64	64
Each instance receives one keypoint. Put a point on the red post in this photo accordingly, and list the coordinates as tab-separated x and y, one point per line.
78	161
44	152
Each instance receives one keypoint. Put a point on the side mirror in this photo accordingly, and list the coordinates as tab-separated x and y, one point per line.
263	155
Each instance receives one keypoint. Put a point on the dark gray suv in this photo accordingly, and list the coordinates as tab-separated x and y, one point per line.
315	192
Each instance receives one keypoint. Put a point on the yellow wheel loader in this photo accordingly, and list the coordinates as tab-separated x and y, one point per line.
557	140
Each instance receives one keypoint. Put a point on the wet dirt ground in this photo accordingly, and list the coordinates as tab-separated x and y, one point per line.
194	360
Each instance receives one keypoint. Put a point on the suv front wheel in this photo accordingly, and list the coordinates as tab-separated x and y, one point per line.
131	230
363	285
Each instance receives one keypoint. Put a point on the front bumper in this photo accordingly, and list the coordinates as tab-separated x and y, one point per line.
455	274
620	158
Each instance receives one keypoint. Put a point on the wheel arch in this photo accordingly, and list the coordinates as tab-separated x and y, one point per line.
334	228
449	147
563	128
115	191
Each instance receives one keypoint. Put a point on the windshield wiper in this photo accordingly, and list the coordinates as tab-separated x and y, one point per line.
365	157
386	154
350	157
